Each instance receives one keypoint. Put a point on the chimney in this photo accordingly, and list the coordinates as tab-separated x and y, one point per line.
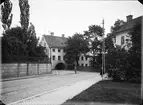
63	35
52	33
129	17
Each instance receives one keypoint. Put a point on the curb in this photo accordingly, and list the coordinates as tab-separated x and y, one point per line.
50	91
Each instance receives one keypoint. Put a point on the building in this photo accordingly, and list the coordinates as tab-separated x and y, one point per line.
84	61
55	50
121	35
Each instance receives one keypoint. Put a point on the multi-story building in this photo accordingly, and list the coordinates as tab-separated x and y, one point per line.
121	35
55	50
84	60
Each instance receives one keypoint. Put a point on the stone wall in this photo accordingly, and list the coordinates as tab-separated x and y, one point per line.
9	70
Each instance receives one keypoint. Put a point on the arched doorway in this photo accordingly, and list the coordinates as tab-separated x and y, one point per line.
60	66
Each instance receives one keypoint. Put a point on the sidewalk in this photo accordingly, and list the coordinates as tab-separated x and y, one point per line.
59	95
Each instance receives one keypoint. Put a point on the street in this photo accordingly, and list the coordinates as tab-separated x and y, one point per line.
20	89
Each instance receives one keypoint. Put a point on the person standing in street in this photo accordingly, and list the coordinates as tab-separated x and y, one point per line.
75	68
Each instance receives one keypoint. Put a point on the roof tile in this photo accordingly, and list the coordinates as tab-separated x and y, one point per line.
130	24
55	41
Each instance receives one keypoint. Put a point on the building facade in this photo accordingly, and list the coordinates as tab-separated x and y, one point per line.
55	50
122	34
84	61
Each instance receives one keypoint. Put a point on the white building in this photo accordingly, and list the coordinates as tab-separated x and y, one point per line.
84	60
122	34
55	50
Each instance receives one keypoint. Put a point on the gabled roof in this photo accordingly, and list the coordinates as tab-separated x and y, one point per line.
130	24
55	41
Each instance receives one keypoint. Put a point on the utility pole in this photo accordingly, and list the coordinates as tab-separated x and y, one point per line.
103	51
142	68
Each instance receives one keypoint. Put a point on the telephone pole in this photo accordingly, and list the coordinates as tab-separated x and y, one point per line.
103	50
142	69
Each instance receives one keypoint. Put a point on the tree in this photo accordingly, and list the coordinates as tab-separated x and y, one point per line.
24	16
134	57
118	24
109	44
75	46
115	56
6	19
17	44
11	44
110	48
92	36
32	40
125	64
116	63
33	48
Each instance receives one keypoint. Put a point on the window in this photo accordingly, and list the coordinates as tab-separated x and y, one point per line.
59	57
59	50
82	58
53	57
81	64
86	65
86	58
122	40
53	50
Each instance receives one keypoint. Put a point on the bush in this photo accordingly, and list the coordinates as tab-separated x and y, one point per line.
133	75
117	74
125	74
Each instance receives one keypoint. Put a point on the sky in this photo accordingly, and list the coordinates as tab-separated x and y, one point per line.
70	16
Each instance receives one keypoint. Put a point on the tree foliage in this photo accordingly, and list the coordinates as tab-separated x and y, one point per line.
118	24
93	32
109	44
135	50
32	40
124	64
92	35
24	16
75	46
16	43
20	43
6	19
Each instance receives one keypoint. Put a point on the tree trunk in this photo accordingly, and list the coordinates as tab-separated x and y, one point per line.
77	58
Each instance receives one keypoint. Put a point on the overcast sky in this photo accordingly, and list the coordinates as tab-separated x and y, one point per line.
70	16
